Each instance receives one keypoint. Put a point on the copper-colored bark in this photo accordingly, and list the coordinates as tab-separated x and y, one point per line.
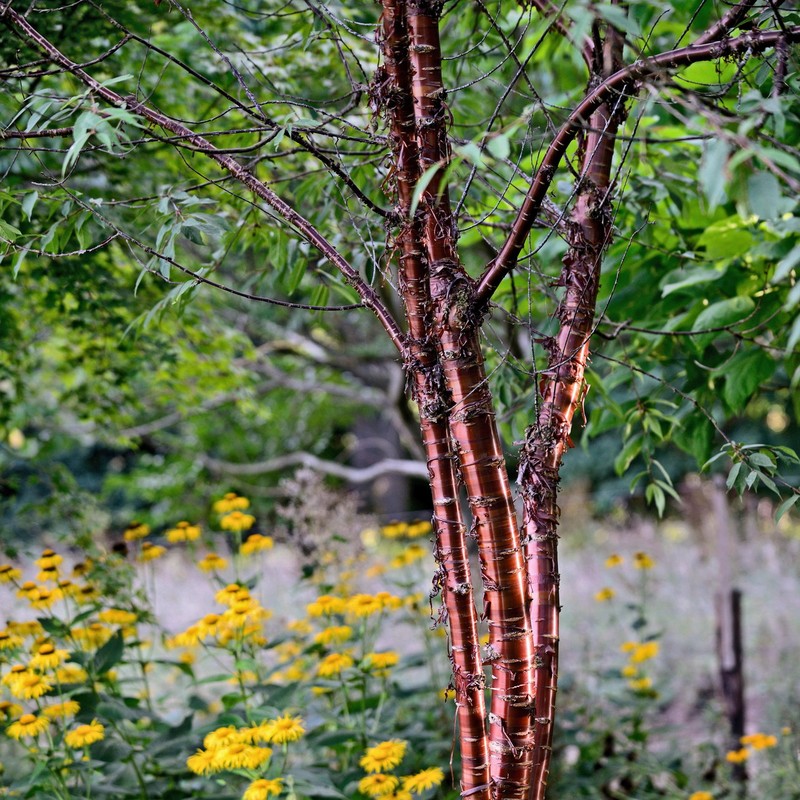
474	431
561	392
394	91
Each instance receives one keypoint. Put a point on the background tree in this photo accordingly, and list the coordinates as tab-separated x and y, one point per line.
187	145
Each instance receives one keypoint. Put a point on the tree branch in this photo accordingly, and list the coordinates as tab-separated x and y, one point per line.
369	297
620	82
389	466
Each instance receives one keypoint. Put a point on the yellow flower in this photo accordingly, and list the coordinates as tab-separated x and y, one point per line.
394	530
43	597
334	634
92	636
363	605
283	729
334	664
48	657
10	641
299	626
377	784
426	779
117	616
614	560
71	673
641	684
701	796
237	522
49	574
643	561
9	709
263	788
150	551
48	559
417	529
9	574
375	571
759	741
231	593
381	661
203	762
221	737
383	756
325	605
212	563
136	530
85	594
242	756
389	601
644	652
183	532
605	594
255	543
29	686
69	708
28	725
629	671
737	756
231	502
84	735
628	647
400	794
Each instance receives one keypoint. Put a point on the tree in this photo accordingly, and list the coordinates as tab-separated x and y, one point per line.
226	105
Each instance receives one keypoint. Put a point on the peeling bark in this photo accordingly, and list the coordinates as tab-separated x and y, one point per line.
561	392
393	90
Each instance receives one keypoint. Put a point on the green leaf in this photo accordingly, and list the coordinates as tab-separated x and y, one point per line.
726	239
744	374
618	17
695	436
9	232
712	171
720	315
28	203
690	277
785	506
109	654
786	264
631	449
764	195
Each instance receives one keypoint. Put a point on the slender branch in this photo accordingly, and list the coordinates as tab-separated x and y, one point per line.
620	82
388	466
369	297
726	23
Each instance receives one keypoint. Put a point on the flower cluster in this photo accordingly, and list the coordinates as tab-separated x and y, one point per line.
383	757
750	743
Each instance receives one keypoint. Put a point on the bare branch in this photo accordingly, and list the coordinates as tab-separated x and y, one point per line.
389	466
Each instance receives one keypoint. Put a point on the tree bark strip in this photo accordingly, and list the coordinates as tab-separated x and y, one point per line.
394	91
561	392
474	430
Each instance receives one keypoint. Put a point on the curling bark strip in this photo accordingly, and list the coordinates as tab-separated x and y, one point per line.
393	91
561	392
369	297
620	82
473	430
